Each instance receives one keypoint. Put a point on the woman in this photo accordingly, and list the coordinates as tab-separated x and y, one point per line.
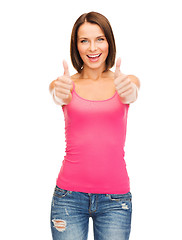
93	180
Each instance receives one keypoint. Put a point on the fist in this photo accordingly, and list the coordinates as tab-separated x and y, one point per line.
126	89
63	85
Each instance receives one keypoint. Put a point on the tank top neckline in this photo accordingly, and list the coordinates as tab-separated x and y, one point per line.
92	100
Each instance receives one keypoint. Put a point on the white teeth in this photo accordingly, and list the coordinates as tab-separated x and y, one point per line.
93	56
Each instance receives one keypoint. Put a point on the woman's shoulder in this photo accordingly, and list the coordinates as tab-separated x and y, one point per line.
75	76
109	74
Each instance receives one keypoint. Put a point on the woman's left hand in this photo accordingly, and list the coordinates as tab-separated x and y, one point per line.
126	88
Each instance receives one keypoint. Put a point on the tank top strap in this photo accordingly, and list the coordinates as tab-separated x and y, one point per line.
73	86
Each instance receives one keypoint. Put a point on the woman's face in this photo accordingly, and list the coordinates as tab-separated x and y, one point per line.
92	45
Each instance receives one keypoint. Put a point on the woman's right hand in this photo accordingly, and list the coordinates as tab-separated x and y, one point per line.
63	86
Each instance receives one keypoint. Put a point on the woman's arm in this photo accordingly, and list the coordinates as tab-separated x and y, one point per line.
57	100
51	86
136	83
61	87
135	80
126	85
131	95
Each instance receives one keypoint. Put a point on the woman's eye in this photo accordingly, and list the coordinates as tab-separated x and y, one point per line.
100	39
83	41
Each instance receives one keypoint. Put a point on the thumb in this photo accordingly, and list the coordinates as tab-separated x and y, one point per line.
66	70
117	70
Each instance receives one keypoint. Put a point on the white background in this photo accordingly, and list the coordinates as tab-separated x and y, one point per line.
35	37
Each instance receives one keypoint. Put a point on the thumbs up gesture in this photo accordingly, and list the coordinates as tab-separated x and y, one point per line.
63	86
127	90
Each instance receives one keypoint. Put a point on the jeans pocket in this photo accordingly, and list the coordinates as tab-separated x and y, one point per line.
60	193
120	197
123	201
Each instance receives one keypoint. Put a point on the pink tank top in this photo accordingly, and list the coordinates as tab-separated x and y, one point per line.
95	134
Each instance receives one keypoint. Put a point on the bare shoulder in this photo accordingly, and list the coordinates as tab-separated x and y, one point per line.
75	77
135	80
109	74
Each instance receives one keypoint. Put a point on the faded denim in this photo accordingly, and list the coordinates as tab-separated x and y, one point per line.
70	212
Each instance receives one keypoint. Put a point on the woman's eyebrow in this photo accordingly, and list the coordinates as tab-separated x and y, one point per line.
82	38
87	38
100	36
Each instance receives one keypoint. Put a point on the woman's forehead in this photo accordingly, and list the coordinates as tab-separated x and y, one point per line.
87	30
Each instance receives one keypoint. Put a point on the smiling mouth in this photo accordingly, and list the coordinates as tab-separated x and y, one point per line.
94	56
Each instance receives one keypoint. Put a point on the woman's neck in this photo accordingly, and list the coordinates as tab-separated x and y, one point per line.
94	74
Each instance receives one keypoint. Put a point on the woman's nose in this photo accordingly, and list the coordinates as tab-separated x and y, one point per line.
93	46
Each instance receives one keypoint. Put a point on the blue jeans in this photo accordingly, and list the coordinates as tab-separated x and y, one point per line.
70	212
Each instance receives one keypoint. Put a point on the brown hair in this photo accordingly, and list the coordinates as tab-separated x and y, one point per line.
104	24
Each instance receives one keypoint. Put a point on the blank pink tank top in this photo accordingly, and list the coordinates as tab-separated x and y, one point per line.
95	134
